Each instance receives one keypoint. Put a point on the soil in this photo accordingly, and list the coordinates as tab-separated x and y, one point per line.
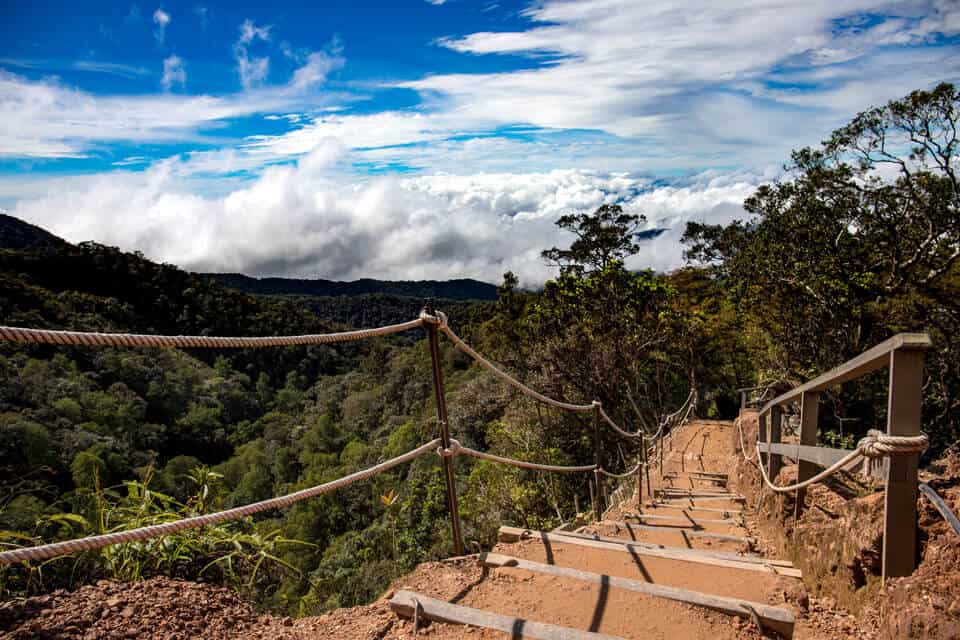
839	557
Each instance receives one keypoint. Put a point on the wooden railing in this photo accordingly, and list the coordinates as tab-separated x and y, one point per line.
903	354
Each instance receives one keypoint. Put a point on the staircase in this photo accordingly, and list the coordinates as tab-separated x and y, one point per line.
677	563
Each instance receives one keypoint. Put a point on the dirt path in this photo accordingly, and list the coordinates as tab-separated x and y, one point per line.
686	525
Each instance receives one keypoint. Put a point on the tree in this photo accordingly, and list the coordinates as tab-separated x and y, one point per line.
604	237
861	241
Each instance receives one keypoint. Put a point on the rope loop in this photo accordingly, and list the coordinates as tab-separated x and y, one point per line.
439	319
877	444
451	451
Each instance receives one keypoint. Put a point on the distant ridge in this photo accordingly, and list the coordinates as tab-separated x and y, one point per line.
17	234
461	289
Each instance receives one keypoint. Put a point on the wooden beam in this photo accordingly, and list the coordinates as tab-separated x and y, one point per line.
683	493
664	505
774	618
871	360
904	400
405	603
727	555
681	499
689	532
512	534
687	518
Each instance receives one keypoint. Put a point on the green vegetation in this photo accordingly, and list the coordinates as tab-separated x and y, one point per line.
860	242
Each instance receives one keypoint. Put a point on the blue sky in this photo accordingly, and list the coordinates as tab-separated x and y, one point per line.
417	138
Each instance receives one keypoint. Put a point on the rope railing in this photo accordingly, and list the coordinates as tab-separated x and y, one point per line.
57	337
457	449
441	321
91	543
876	444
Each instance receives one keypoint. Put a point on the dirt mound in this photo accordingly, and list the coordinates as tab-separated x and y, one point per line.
166	609
927	604
158	608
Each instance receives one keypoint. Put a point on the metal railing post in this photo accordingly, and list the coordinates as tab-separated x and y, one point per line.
900	506
444	432
596	462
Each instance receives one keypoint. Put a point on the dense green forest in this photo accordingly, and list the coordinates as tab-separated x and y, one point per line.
859	241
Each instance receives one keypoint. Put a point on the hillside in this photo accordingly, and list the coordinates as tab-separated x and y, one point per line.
458	289
18	234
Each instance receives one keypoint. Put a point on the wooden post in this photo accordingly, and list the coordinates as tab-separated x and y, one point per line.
762	437
809	408
444	433
900	508
776	460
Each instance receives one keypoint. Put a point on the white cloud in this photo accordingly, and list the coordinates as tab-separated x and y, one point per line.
160	18
174	72
249	32
253	71
306	220
657	72
436	2
45	118
203	15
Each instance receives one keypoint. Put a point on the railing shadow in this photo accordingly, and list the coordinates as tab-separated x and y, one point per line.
601	603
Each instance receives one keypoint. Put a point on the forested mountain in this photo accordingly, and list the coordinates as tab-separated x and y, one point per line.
839	256
458	289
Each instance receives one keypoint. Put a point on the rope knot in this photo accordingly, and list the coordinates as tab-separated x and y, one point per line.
877	444
453	450
440	319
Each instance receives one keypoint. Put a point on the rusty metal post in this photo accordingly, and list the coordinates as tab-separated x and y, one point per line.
596	462
900	507
776	460
809	409
593	499
444	432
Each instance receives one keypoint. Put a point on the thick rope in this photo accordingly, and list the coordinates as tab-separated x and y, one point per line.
625	474
47	336
43	552
875	444
441	321
457	449
614	425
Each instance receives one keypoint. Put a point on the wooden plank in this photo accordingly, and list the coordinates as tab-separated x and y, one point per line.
687	499
870	360
685	507
512	534
685	518
728	555
674	492
774	618
404	603
900	506
689	532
